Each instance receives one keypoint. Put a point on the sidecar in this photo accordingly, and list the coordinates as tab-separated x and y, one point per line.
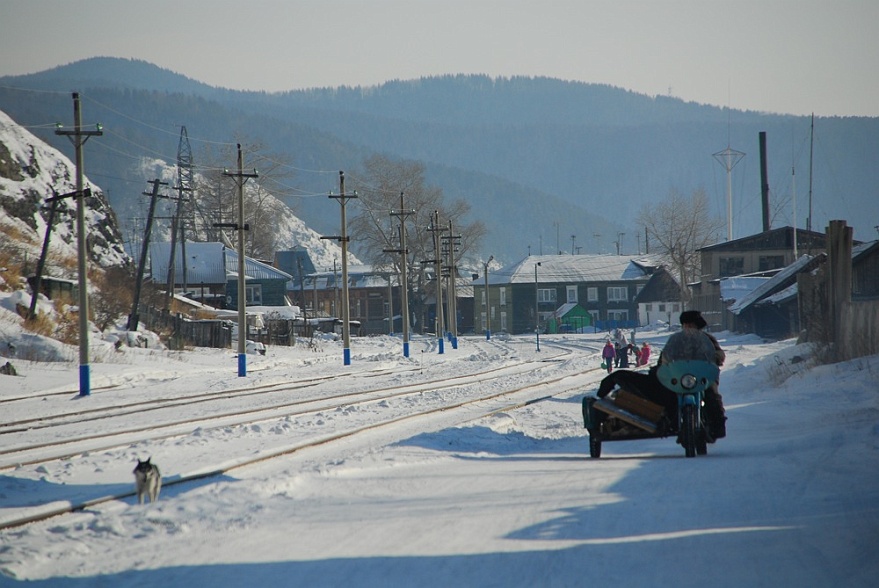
624	415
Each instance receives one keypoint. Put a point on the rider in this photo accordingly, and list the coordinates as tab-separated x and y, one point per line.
715	416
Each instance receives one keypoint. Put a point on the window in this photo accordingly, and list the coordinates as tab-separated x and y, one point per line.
769	262
545	295
484	324
492	313
572	293
503	296
253	294
617	294
617	315
732	266
648	307
592	294
483	298
503	321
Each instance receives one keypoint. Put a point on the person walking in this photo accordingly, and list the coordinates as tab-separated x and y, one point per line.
644	356
608	354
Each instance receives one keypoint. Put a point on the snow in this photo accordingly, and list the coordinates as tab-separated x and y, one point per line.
458	497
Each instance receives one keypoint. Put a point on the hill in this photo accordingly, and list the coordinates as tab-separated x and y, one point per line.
538	159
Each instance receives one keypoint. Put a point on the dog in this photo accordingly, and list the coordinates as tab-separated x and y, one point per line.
147	480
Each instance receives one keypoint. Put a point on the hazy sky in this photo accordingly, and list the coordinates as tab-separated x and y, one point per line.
796	56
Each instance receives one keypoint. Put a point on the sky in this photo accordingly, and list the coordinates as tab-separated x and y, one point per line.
781	56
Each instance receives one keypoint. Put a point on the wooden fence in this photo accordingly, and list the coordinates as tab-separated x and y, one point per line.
184	331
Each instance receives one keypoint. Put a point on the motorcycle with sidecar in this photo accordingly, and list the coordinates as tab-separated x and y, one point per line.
624	415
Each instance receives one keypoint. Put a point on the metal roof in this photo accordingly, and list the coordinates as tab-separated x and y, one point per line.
210	263
574	269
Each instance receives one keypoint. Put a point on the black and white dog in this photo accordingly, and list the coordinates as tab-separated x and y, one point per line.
147	480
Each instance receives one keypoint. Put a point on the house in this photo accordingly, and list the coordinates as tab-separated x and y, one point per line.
210	275
296	262
372	295
530	291
771	309
865	271
761	254
570	317
659	299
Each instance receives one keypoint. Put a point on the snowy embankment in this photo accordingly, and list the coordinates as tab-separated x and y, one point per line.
788	498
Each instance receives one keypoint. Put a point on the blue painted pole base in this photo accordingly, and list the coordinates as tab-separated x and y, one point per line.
242	365
454	342
346	356
487	335
441	343
85	384
406	349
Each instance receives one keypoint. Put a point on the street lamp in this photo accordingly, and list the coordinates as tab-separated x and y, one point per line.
536	307
487	301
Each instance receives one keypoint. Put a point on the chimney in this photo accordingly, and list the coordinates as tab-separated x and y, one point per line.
764	181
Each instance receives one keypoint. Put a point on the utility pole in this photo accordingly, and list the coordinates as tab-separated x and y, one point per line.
171	279
134	318
488	299
240	179
302	295
453	242
343	239
537	306
78	137
404	278
440	322
38	278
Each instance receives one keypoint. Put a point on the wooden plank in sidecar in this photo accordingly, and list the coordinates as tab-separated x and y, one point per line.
627	409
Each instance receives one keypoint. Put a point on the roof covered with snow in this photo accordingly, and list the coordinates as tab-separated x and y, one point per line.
778	282
575	269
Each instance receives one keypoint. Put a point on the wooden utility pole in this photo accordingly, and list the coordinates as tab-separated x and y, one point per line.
134	318
240	178
78	137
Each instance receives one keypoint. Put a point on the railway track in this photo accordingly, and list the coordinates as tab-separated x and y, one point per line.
468	397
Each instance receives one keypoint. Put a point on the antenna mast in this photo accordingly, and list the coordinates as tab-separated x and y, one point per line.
728	158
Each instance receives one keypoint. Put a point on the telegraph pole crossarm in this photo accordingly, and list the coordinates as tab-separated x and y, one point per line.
78	137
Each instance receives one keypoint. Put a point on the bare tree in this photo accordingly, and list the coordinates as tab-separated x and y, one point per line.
378	189
679	226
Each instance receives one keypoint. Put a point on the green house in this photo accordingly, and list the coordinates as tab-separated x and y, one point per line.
569	318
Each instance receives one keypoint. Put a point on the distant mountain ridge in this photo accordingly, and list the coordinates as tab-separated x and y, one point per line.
539	159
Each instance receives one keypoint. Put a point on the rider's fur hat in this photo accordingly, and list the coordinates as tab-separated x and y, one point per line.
695	317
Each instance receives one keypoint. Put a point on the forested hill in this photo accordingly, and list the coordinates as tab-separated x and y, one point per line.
537	158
